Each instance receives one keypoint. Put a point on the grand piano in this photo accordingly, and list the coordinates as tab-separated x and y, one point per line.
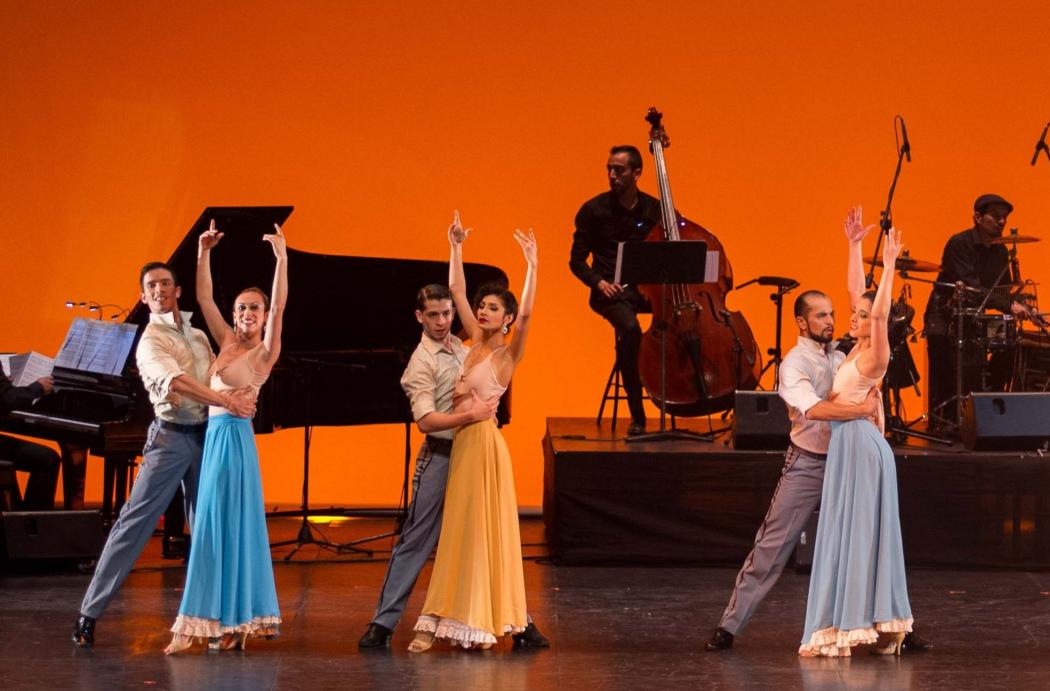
349	330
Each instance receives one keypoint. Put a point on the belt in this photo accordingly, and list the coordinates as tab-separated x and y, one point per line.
439	444
806	452
185	429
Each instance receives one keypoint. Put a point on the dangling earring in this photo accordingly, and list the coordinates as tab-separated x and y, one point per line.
506	330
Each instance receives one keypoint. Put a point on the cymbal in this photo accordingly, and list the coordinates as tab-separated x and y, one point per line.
1013	240
908	264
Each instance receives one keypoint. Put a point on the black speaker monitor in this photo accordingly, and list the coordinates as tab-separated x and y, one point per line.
1006	421
760	421
53	534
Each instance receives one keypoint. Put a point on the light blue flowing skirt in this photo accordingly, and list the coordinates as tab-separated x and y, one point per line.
229	581
857	586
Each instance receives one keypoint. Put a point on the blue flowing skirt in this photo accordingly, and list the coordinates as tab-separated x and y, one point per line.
229	581
858	586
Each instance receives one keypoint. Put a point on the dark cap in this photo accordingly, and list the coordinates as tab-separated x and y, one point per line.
986	200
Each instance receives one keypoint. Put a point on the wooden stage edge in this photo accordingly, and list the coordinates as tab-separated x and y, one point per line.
694	502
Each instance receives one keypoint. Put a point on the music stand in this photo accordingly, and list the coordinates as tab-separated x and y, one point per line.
663	263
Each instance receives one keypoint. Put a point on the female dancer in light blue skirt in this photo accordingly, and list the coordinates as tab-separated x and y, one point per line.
857	591
230	593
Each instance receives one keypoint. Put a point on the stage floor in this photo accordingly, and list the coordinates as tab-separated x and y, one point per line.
616	628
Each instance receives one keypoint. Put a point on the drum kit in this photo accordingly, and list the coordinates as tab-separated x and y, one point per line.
984	341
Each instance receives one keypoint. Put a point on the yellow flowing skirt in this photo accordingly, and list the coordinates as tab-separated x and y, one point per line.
477	588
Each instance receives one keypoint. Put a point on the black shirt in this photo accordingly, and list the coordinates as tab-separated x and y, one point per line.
976	264
601	224
12	397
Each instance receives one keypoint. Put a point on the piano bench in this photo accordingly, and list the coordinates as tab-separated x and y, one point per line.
10	496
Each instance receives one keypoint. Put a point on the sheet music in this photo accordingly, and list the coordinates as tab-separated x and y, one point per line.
97	346
711	267
26	368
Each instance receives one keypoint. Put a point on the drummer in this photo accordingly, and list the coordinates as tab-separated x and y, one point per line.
974	263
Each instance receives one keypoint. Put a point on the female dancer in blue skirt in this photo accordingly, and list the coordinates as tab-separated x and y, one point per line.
230	593
857	590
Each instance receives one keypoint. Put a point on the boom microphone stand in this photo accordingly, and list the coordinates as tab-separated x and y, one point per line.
886	219
784	286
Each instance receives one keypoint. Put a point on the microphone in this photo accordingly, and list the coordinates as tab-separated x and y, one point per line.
906	146
1041	144
778	281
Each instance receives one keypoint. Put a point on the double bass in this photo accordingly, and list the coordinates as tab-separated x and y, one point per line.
711	351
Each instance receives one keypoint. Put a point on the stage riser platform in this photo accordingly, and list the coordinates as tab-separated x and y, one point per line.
608	502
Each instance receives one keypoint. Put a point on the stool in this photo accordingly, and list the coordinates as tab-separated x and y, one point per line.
615	383
10	496
614	391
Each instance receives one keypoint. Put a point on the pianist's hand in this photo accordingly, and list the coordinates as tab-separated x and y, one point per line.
47	383
241	402
209	238
456	234
481	409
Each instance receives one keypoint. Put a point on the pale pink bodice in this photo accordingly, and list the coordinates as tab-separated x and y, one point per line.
480	379
851	387
236	374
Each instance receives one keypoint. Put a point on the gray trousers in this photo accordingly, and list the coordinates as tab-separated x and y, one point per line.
796	497
419	535
170	457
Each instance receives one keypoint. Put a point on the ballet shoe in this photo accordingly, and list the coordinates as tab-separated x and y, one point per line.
422	642
889	643
178	644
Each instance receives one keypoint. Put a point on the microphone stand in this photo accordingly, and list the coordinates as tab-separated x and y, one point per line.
894	424
886	220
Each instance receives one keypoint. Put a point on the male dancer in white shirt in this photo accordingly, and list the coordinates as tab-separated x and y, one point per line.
428	382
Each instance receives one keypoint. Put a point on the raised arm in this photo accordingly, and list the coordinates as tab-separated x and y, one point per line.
278	296
855	234
217	326
874	361
457	280
528	294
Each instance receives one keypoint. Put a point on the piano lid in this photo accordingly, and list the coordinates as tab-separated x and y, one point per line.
335	302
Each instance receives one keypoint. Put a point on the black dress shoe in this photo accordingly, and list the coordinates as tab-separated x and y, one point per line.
719	640
376	636
914	643
531	638
84	633
636	428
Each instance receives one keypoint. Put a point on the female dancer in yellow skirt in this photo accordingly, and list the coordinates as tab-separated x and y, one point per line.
477	588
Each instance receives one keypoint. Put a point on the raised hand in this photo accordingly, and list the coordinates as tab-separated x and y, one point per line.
892	249
528	245
854	225
209	238
456	234
276	240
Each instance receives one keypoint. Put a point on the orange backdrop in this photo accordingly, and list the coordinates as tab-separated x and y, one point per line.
122	120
